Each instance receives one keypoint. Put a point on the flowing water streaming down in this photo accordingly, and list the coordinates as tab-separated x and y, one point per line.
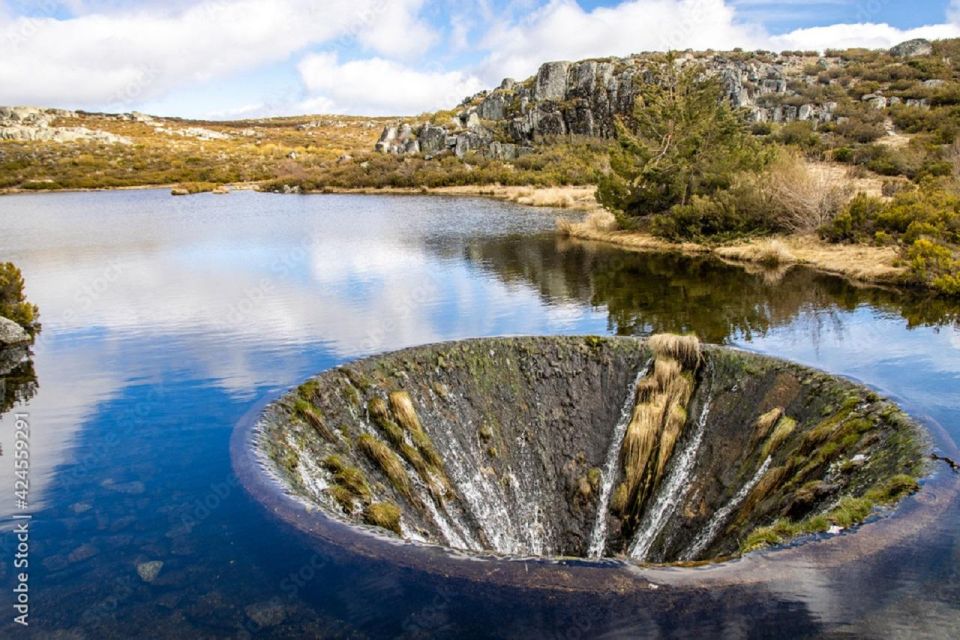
718	519
672	490
598	536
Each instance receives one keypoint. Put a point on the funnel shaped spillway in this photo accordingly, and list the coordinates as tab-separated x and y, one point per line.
658	450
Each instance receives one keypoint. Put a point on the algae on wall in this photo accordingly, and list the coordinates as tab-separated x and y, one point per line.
499	445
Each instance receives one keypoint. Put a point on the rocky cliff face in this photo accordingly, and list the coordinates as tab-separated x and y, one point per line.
585	98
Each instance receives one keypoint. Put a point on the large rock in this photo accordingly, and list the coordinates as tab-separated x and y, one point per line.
32	124
432	139
494	107
12	334
912	48
551	81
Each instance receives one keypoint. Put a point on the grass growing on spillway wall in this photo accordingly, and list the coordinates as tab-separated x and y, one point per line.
501	444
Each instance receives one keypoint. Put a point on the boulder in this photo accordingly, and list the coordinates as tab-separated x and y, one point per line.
148	571
494	107
912	48
12	334
551	81
433	139
385	143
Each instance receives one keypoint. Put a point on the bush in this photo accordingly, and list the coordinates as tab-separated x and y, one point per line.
924	222
13	303
802	199
684	142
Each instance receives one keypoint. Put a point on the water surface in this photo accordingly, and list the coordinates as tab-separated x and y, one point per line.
167	319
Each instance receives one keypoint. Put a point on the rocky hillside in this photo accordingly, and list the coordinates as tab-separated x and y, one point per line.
42	149
585	98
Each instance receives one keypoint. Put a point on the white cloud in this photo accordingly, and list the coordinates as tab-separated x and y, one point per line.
874	36
562	30
128	55
109	55
396	31
380	87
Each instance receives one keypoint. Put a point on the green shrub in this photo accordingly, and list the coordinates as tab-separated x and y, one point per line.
924	222
683	145
13	302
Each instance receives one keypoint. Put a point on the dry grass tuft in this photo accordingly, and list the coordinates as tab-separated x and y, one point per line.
640	442
665	371
685	349
770	253
770	481
406	416
598	220
766	421
383	456
785	426
804	197
309	414
558	197
377	408
657	421
672	427
385	515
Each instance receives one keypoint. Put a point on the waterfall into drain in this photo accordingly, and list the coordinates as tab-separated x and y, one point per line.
527	447
671	495
718	519
598	536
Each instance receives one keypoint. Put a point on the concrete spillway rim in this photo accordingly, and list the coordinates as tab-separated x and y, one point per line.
914	515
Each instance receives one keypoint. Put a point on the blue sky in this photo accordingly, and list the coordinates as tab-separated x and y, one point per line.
247	58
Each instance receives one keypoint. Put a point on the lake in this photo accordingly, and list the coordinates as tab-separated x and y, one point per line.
166	320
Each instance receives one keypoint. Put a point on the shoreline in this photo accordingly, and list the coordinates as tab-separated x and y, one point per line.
860	263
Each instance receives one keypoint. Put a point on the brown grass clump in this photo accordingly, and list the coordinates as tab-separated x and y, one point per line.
770	481
618	501
641	439
804	197
385	515
785	426
389	462
673	425
684	349
657	421
402	407
309	414
766	421
665	371
598	220
406	415
377	408
768	252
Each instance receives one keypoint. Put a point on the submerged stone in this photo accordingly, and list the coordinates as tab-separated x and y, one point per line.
659	450
148	571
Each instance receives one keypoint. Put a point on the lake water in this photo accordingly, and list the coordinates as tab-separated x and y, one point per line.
167	319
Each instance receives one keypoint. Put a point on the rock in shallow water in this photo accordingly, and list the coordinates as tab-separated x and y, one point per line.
148	571
12	334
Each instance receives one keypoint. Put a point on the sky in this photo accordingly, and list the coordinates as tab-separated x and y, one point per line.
227	59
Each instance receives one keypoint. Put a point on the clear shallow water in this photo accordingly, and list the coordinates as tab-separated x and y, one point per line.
167	319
